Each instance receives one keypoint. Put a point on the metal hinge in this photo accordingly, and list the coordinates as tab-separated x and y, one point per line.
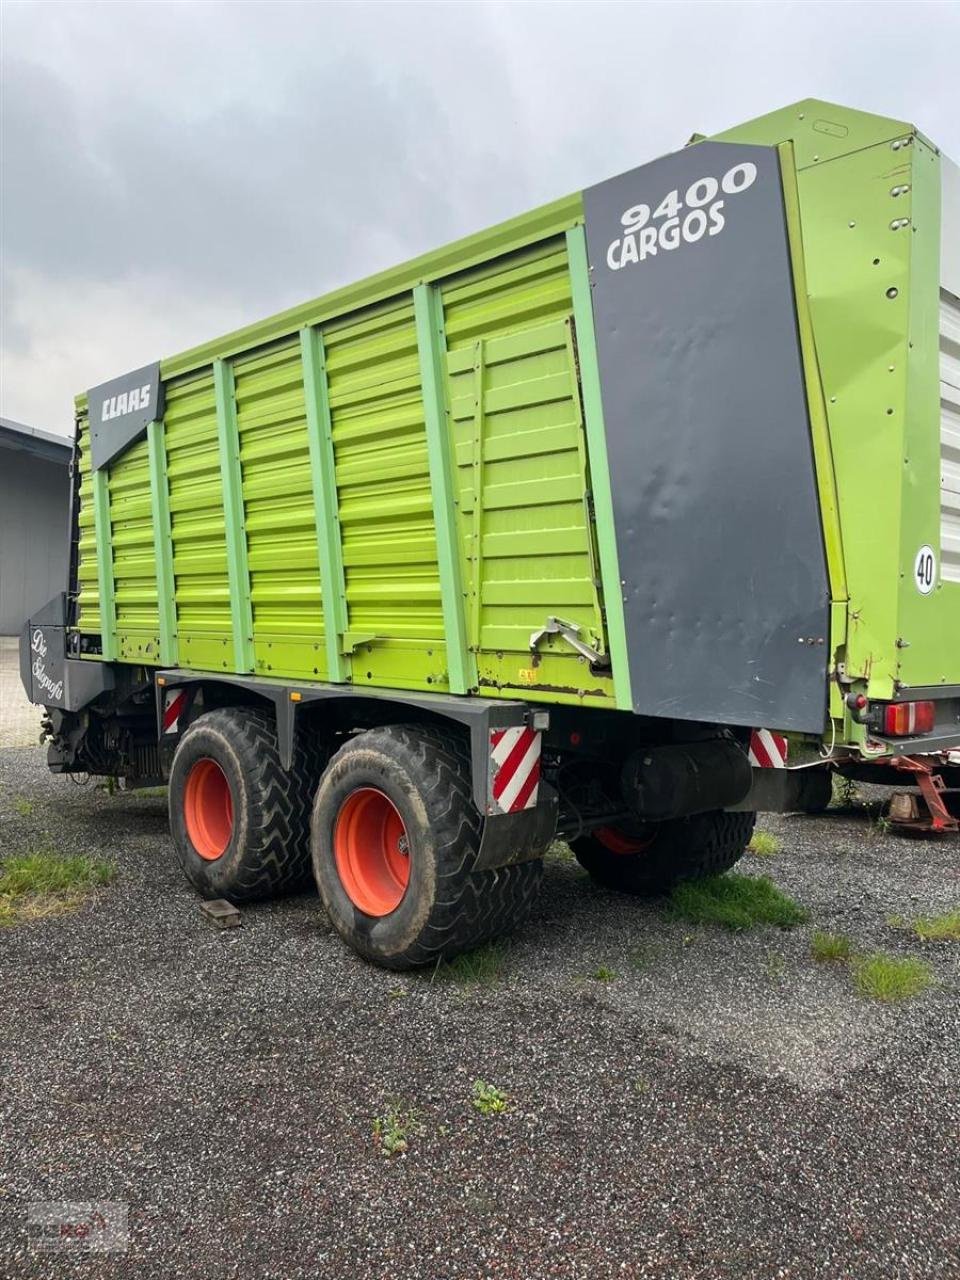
570	632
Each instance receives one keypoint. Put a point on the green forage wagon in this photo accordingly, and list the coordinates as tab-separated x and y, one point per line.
613	523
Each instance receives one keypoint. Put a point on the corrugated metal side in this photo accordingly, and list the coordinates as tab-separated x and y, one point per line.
395	621
88	590
279	513
196	515
518	433
134	566
949	437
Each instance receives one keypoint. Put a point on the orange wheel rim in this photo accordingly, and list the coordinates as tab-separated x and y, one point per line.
617	841
372	852
208	809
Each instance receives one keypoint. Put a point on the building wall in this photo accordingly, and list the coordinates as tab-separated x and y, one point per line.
34	510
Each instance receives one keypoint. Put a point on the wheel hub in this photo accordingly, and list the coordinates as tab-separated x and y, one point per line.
208	809
372	851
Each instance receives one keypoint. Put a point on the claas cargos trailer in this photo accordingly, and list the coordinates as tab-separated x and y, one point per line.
580	526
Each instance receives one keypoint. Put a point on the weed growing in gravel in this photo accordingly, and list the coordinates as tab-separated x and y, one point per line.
488	1099
603	974
945	928
481	967
641	1086
763	844
830	946
23	806
393	1128
776	966
890	978
561	851
736	902
35	885
845	794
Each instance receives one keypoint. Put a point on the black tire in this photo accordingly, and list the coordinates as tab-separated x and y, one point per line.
268	849
683	849
815	791
446	906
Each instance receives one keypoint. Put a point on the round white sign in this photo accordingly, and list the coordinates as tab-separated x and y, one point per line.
925	570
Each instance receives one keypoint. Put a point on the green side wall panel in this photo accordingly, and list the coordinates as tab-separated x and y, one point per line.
105	587
600	489
431	343
162	544
278	516
520	450
325	515
88	585
134	566
231	476
204	621
395	629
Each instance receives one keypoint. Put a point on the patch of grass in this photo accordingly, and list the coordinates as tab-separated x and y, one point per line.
35	885
945	928
735	902
481	967
641	957
763	844
148	793
604	974
23	806
827	947
890	978
776	966
488	1099
392	1130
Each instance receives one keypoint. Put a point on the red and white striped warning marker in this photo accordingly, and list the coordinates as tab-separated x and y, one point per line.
515	754
174	705
768	750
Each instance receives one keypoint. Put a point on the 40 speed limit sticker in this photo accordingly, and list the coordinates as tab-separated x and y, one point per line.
679	218
925	570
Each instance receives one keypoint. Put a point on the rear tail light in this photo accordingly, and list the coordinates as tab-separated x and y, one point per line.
904	719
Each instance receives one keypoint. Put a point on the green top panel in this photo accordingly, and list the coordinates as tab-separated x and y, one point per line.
819	131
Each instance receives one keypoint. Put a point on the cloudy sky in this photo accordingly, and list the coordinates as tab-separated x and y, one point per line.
173	170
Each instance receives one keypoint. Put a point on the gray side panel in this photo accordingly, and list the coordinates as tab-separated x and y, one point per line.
120	411
715	500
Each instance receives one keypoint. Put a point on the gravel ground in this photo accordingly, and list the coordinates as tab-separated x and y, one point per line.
723	1108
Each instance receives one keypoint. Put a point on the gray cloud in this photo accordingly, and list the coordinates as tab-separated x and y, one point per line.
171	170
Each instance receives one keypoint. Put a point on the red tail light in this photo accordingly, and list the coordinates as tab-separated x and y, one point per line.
904	719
